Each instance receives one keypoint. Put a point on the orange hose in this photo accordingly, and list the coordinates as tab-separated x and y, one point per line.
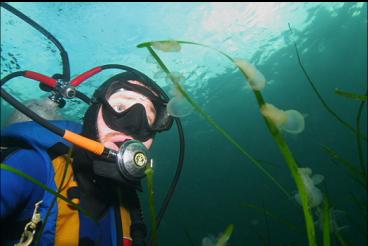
84	142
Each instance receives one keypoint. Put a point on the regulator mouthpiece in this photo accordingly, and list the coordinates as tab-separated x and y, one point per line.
132	159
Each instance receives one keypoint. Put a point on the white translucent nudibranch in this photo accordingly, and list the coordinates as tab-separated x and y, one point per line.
178	106
290	121
255	78
315	196
221	240
167	46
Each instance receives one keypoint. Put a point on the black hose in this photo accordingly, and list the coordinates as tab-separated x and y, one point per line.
63	53
175	180
11	76
177	173
82	97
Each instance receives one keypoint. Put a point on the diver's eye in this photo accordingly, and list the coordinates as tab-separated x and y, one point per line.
119	108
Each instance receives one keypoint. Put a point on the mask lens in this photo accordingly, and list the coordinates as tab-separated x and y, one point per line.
122	100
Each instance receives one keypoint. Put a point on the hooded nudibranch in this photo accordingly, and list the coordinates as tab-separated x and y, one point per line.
178	106
290	121
255	78
167	46
295	122
315	196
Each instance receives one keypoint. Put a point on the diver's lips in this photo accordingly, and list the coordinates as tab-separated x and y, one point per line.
119	138
114	142
116	145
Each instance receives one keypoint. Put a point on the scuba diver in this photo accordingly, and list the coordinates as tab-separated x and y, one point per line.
98	165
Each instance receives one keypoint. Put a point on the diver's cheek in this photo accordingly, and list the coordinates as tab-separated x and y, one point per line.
102	128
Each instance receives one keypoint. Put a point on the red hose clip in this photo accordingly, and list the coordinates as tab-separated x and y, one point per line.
81	78
41	78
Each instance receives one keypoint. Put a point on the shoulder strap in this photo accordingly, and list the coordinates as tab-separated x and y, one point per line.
67	221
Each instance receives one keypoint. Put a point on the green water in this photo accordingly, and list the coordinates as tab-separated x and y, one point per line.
217	181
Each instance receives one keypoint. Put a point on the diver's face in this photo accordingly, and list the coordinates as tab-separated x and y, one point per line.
120	101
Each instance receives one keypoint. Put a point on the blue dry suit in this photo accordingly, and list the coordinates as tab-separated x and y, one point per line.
65	224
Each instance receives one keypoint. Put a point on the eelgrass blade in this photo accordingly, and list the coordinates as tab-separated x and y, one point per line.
355	173
324	103
224	238
149	174
340	239
351	95
363	167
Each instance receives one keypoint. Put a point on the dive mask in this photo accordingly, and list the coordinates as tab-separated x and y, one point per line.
130	112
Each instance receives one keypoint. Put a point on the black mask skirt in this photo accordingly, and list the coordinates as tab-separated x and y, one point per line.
133	121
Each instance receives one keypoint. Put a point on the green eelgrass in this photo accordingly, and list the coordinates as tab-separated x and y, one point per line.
222	240
341	240
149	174
38	183
325	105
326	225
357	175
358	139
330	221
284	148
350	95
